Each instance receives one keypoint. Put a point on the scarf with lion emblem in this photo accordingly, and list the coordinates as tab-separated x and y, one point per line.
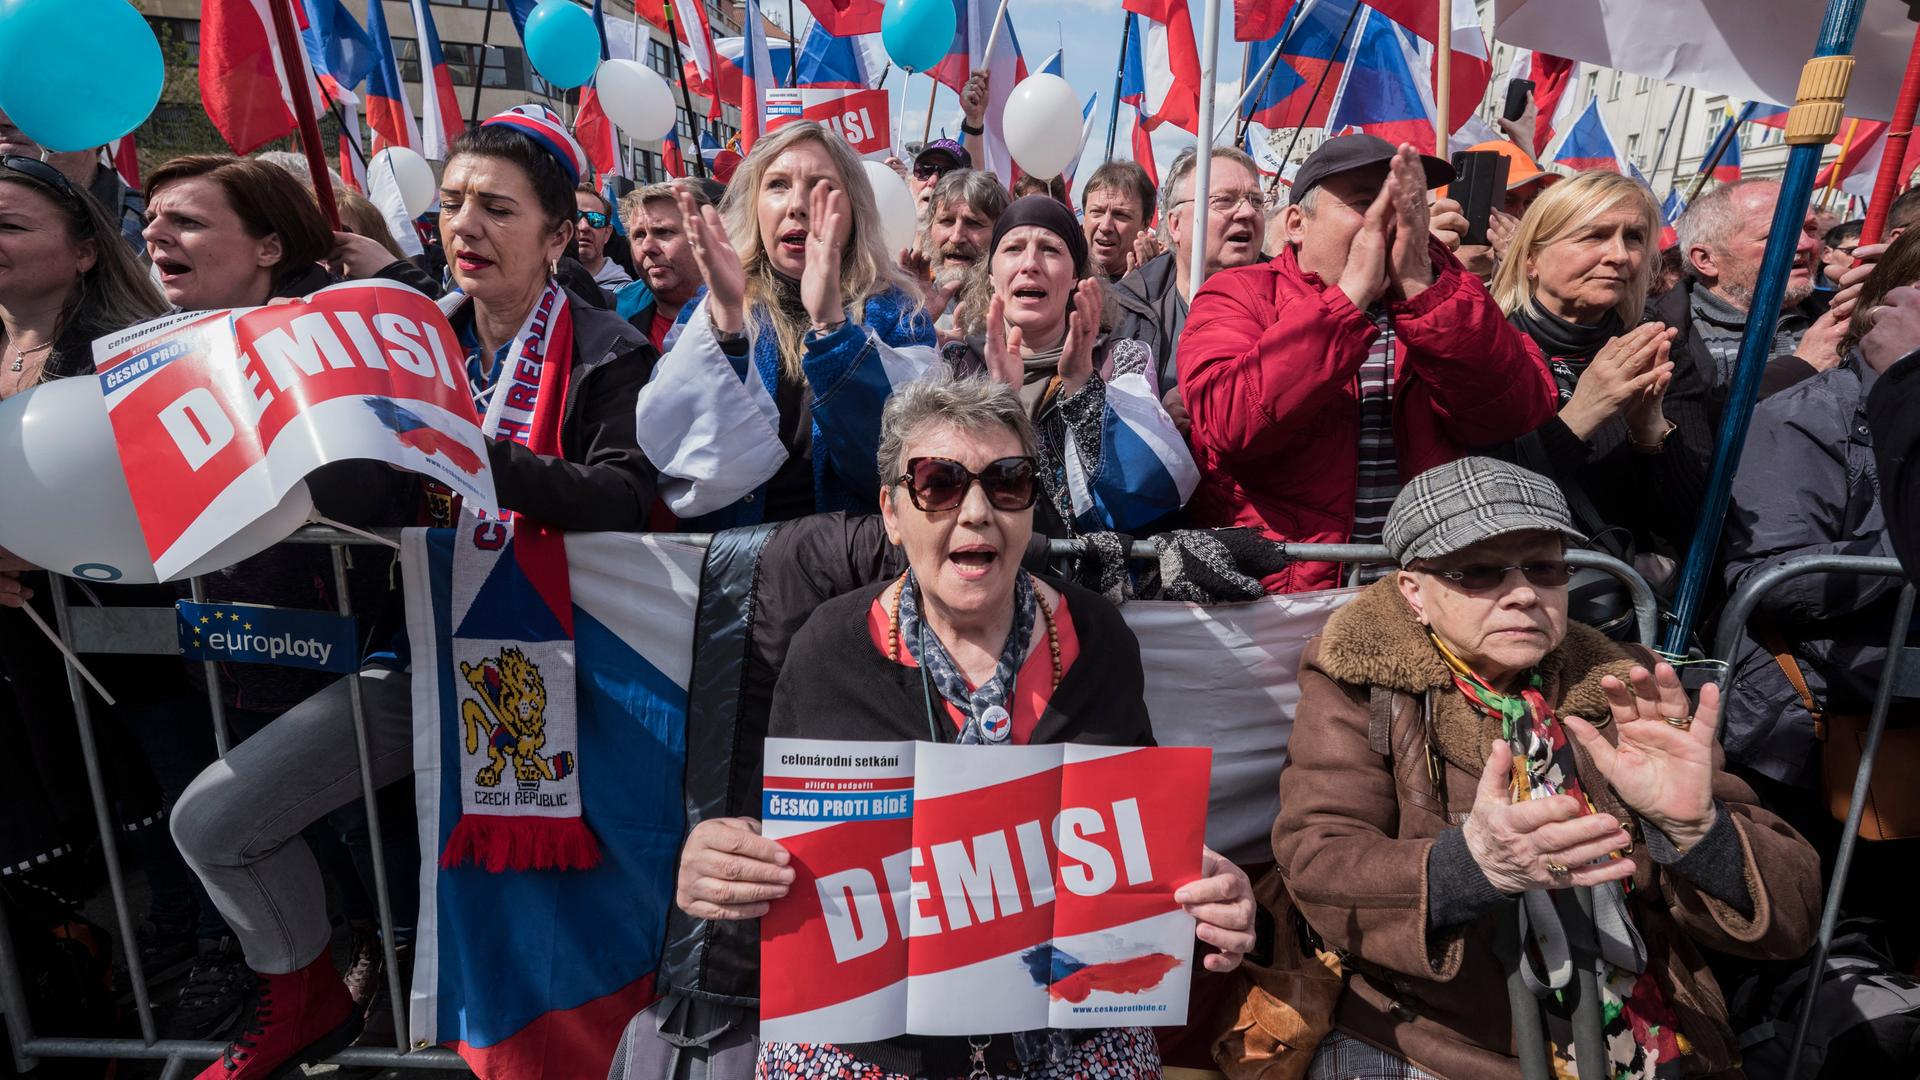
512	642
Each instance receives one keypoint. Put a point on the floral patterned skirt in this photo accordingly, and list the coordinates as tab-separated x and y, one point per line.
1120	1053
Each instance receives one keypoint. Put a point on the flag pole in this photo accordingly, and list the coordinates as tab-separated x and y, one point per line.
793	45
686	95
1240	107
1119	74
1812	123
480	66
292	59
1443	81
933	91
1266	71
1714	153
1203	160
1839	162
993	36
1666	136
1893	153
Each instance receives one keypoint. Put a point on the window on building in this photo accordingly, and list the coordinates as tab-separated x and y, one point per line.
1613	88
1643	85
1593	85
1633	147
660	58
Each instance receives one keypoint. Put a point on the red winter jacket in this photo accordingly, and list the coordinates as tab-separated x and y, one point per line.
1269	368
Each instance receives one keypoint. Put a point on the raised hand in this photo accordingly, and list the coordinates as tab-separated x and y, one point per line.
1083	328
1661	763
357	258
719	266
1411	264
1447	220
1646	414
917	264
1146	247
973	99
820	280
1221	903
1004	343
1521	131
1365	278
729	871
1541	843
1622	370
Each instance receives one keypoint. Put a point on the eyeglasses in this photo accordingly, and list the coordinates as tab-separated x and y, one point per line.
44	175
931	170
593	218
1226	202
936	484
1479	577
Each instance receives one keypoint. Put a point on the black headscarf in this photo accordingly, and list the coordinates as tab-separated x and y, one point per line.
1046	212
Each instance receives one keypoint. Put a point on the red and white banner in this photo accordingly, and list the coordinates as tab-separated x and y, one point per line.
954	890
219	413
858	116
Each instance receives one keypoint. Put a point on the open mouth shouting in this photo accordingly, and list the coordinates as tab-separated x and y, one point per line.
794	243
973	561
173	271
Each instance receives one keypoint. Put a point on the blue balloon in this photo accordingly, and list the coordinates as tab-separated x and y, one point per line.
78	73
563	43
917	33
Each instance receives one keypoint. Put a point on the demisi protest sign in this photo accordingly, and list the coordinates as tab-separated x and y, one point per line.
858	116
964	890
218	413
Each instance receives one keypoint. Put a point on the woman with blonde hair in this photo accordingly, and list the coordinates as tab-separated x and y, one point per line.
767	404
1575	279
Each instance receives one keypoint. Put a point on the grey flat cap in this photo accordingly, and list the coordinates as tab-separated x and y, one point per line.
1459	504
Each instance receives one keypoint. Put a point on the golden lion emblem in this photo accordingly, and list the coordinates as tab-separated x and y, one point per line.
510	716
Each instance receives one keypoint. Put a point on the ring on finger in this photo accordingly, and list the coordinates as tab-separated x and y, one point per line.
1557	868
1681	722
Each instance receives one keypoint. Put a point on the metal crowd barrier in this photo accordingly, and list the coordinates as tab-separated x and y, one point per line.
133	631
1893	679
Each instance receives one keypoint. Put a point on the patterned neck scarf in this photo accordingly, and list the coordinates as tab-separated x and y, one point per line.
989	708
1643	1038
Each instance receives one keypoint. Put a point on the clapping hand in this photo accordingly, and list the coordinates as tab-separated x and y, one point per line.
1146	248
719	266
1623	374
1412	263
1365	278
1083	328
1540	843
1662	762
820	280
1004	346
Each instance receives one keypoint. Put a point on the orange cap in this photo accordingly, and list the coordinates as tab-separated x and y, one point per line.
1521	169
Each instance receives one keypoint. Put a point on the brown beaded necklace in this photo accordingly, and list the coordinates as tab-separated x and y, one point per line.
1046	613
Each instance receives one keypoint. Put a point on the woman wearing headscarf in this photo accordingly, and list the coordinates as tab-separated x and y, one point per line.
964	647
767	404
1108	453
1476	784
508	210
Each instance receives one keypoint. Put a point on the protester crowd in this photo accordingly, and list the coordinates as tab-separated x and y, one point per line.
1473	734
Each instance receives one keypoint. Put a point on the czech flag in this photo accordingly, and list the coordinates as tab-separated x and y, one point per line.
730	67
126	160
1591	146
832	62
1143	147
670	157
689	19
440	119
339	50
967	54
1170	64
721	161
757	73
1087	122
1258	20
1670	211
846	18
1379	92
388	113
1773	116
591	125
1051	65
244	83
1316	45
1727	169
1472	63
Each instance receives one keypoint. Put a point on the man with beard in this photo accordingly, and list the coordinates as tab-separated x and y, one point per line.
1120	199
669	276
1152	300
959	223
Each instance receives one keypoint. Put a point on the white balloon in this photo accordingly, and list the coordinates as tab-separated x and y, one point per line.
67	504
410	173
636	98
899	217
1041	125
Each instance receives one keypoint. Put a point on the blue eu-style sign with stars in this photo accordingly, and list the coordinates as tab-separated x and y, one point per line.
289	637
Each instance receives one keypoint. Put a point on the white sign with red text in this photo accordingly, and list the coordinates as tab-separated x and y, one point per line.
858	116
958	890
218	413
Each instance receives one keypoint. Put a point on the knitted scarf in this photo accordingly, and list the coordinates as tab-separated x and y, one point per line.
512	648
1643	1037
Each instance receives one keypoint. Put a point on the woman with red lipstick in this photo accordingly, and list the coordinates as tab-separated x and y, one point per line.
1098	420
767	406
965	647
1464	755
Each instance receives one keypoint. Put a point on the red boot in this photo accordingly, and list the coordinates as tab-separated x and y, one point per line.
304	1016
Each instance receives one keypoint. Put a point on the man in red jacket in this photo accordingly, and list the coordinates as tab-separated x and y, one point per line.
1361	355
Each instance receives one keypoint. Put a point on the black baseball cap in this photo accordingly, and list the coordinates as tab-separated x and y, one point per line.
1349	152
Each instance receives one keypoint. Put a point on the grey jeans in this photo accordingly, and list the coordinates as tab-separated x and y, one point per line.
238	824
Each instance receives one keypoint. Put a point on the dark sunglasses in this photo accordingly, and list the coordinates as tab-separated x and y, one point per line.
45	176
594	218
931	170
1479	577
936	484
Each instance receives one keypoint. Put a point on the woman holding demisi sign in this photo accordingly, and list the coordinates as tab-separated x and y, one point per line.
965	647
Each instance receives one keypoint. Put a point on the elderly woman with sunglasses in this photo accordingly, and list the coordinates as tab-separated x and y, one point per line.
1464	761
1109	456
965	647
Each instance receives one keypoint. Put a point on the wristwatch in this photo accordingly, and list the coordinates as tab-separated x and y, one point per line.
969	129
